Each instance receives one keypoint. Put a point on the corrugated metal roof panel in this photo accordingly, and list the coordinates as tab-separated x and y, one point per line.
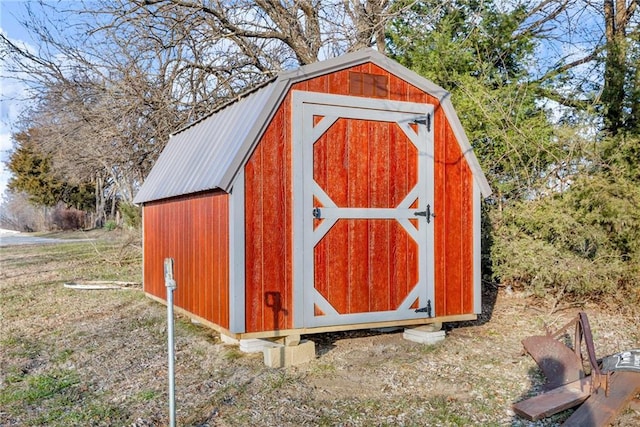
197	157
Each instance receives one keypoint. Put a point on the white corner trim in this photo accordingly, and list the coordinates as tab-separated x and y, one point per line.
237	256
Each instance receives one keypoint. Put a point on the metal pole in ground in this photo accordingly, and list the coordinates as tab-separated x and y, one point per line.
170	283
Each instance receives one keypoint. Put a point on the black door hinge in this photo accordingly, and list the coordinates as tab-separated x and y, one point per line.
425	120
426	309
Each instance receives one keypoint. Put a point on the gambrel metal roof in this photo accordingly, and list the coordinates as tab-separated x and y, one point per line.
209	153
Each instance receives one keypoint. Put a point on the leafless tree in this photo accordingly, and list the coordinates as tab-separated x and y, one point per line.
221	47
16	213
112	78
586	45
104	104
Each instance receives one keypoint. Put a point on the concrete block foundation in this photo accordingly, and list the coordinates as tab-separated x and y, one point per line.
281	356
423	337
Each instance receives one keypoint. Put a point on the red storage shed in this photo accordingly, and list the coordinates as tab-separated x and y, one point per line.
340	195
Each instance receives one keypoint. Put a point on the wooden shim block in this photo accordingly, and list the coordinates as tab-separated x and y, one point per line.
291	340
600	410
554	401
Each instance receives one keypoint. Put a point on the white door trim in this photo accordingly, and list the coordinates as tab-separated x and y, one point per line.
306	106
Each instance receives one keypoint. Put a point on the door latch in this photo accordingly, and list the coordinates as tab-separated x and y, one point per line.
317	213
426	214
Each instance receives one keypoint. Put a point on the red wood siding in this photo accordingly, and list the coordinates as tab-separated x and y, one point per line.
268	230
268	205
453	224
365	265
194	231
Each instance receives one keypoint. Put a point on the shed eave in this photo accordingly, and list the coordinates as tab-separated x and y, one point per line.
144	201
238	98
253	137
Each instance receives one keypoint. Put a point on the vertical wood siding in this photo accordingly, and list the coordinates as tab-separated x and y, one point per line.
365	265
194	231
268	230
453	224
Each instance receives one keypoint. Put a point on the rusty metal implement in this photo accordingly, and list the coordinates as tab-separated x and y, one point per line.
568	382
583	332
561	364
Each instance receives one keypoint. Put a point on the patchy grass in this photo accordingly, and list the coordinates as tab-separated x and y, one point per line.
77	358
34	389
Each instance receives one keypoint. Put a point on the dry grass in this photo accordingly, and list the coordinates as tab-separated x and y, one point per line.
72	357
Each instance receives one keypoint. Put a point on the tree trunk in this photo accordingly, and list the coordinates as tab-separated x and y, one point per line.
616	17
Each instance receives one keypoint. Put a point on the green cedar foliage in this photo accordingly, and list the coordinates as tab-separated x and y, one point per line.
619	100
565	215
470	49
131	215
33	174
583	242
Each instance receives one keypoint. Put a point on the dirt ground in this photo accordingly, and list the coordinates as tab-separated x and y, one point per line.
71	357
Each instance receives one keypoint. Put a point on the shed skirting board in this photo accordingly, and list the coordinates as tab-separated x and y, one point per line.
354	326
319	330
